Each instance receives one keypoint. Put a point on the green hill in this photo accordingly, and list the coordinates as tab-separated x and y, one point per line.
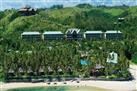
83	17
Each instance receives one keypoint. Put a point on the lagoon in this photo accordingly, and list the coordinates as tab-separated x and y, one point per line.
61	88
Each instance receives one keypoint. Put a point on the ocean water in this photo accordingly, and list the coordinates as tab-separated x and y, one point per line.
64	88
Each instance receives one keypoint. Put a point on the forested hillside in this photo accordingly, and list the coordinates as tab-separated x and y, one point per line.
83	16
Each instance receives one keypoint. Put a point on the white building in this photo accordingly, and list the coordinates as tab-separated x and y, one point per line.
113	34
112	58
53	35
31	36
93	35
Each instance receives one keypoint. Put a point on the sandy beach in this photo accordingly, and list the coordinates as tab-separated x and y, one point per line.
111	85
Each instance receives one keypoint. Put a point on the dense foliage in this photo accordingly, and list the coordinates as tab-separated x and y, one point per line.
65	54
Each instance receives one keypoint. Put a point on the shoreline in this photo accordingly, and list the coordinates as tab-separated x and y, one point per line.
110	85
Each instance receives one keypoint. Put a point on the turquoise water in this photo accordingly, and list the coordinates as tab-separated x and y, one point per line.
59	89
41	89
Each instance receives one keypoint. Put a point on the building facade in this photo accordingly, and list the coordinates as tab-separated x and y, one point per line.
113	35
31	36
53	35
93	35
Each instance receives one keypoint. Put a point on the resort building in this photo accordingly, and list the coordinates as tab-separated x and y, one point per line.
53	35
93	35
31	36
27	11
113	35
112	58
74	34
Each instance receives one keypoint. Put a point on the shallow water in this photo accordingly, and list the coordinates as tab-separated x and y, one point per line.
59	89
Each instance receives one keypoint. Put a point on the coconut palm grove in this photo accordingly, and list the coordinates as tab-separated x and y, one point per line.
108	59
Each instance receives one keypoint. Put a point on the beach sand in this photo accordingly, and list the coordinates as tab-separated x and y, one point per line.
110	85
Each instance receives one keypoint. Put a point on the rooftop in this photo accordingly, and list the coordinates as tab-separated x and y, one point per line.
72	30
114	31
30	33
93	32
53	32
27	8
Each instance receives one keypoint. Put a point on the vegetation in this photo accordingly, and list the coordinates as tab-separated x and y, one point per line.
13	50
64	54
134	59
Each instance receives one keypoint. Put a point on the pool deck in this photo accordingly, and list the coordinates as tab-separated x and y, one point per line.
111	85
